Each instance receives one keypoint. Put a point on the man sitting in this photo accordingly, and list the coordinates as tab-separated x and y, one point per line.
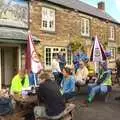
101	86
49	93
81	74
19	82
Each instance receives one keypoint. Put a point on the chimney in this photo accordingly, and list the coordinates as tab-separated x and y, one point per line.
101	6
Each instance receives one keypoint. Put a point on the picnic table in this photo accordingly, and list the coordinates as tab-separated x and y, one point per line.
26	99
24	105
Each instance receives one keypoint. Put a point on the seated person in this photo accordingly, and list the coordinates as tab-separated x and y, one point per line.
19	82
56	69
91	70
81	74
49	92
101	86
68	84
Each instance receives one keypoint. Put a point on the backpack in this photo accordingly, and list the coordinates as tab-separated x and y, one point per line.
6	106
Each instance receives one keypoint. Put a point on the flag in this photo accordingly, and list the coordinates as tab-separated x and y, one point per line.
32	60
97	53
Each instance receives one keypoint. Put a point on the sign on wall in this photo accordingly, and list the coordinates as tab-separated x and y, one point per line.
14	13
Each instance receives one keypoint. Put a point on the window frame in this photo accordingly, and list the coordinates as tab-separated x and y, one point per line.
113	51
48	16
53	51
84	27
112	33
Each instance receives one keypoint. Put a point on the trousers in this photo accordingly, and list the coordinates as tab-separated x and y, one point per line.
93	89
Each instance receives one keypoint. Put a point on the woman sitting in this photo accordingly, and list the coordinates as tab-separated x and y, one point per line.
68	84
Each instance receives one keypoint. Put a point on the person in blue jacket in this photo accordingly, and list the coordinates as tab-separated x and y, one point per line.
68	84
76	61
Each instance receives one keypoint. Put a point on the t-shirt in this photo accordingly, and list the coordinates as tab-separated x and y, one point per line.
54	103
68	85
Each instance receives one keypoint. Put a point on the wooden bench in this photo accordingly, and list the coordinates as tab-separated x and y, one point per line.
17	115
66	115
107	97
23	106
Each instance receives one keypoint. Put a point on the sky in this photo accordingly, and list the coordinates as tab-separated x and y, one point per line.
22	2
112	7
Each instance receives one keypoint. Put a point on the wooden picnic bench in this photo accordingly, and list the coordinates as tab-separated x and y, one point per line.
24	105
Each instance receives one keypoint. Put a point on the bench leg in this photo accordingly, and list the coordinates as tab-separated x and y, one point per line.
67	117
107	97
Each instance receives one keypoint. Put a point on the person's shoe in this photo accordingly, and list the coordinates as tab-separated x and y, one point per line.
90	99
117	98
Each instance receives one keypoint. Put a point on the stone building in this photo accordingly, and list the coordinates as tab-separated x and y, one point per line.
13	36
59	23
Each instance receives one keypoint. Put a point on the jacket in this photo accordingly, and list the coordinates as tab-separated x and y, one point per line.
16	85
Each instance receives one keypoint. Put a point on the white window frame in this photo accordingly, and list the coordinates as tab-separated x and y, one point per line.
51	55
85	23
48	16
112	33
113	51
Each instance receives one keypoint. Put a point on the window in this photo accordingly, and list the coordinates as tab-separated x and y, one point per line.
113	54
50	52
48	19
48	56
85	27
112	33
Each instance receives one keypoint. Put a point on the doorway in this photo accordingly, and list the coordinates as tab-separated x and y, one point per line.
9	64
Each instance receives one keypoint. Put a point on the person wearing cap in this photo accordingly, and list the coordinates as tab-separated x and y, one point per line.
81	74
19	81
67	84
102	84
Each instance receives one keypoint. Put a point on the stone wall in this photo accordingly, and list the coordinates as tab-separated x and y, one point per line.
68	27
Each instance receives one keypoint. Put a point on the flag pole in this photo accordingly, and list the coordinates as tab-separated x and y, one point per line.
35	81
95	67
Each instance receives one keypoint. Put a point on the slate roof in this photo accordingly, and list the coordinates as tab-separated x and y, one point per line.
85	8
13	35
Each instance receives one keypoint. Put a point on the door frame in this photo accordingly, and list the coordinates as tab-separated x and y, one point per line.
19	58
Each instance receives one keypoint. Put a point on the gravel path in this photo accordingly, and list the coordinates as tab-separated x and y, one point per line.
98	110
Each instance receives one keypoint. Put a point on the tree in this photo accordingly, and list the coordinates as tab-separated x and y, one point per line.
76	43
